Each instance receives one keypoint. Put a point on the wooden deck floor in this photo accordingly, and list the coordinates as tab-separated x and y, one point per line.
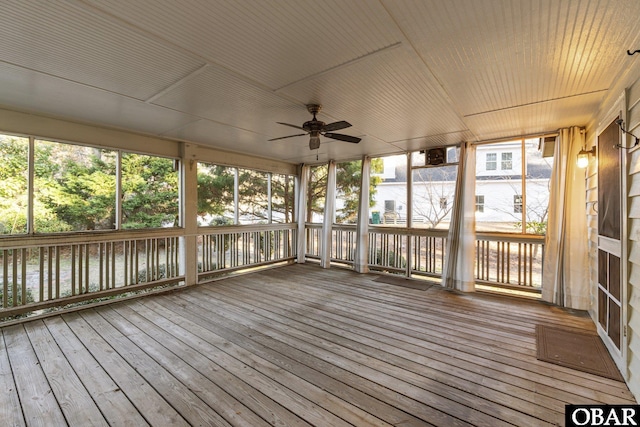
299	346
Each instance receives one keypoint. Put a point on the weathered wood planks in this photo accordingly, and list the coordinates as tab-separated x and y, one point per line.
297	345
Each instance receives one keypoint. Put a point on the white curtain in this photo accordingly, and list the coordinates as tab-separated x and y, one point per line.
329	216
565	280
461	242
301	206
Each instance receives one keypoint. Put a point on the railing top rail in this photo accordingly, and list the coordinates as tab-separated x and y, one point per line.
510	237
81	237
409	231
347	227
224	229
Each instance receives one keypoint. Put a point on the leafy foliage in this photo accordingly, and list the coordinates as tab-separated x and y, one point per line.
215	190
75	188
150	192
348	178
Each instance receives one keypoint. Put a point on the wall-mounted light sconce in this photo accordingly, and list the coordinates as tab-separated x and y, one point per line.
583	157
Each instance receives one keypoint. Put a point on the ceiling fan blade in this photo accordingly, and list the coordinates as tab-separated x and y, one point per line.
336	126
284	137
293	126
341	137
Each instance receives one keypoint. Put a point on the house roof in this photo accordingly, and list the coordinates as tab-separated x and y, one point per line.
406	74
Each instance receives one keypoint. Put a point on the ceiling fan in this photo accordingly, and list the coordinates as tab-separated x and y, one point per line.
315	128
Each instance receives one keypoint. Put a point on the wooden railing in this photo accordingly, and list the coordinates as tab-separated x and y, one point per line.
511	260
389	250
313	241
343	244
225	249
40	272
428	252
46	271
506	260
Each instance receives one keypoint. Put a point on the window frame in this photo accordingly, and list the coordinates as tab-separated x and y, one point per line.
506	163
518	203
493	162
479	203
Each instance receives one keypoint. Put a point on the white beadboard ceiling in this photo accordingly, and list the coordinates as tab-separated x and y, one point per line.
407	74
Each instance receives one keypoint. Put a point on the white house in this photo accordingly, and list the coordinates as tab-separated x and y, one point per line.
503	200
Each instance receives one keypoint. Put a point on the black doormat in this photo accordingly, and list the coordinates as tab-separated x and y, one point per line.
402	281
575	349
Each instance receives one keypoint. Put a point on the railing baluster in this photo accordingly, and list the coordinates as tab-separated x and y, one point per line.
41	259
23	260
50	273
5	278
73	269
57	272
87	269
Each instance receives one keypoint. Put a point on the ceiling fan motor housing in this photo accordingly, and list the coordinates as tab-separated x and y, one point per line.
313	125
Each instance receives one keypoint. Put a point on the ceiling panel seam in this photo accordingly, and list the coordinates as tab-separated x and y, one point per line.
446	94
102	14
340	66
528	104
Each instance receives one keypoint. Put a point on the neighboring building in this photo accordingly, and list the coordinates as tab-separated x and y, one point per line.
500	196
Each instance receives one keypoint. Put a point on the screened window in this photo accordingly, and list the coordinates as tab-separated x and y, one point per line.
479	203
316	193
432	188
388	191
14	166
348	180
507	163
282	198
253	197
517	203
150	192
74	187
216	194
491	161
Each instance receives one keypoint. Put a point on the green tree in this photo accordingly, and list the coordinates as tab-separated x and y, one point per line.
253	202
216	186
282	198
14	153
348	179
83	195
13	191
150	191
316	191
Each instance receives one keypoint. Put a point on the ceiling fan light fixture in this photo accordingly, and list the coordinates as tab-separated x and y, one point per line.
315	128
314	141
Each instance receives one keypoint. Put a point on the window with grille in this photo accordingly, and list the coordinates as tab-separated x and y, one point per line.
491	161
517	203
507	161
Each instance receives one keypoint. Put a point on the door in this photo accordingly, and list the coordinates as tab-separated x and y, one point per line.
610	234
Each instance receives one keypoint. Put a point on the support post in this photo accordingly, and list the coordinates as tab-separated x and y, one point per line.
409	246
189	214
361	263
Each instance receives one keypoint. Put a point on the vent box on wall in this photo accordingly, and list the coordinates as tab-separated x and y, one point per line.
435	156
